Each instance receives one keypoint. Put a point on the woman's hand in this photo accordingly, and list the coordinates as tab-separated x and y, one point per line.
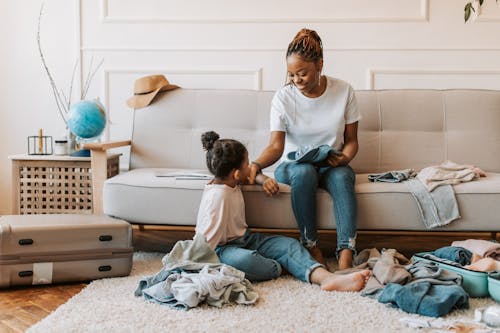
335	160
271	187
254	171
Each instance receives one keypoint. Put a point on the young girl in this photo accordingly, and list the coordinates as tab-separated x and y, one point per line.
221	219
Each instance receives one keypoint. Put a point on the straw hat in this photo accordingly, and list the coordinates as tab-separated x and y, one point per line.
146	88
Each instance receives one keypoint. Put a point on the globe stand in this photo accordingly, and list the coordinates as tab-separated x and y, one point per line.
81	152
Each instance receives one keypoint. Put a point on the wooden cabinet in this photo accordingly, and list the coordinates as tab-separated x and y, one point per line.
54	184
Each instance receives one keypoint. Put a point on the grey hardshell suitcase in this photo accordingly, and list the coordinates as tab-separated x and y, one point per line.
44	249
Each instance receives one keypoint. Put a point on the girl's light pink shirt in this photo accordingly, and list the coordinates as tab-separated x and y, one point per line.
221	217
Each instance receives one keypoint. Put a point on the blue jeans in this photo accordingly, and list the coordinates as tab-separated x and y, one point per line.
304	179
261	256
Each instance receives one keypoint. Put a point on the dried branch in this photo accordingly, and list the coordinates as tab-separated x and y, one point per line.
71	83
63	102
90	76
87	78
59	101
66	100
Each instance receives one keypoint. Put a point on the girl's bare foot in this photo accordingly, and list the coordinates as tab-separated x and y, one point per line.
346	282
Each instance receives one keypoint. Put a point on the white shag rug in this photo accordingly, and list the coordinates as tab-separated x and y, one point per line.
284	305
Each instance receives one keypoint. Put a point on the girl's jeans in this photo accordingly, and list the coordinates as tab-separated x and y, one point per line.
261	256
304	179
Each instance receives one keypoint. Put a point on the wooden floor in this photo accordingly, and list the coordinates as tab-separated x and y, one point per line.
22	307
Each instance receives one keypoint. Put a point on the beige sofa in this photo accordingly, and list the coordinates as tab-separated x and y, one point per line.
400	129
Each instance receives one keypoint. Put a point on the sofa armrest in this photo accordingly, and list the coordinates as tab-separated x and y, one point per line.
101	146
99	167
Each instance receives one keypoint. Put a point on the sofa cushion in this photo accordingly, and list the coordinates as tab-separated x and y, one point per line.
139	196
400	128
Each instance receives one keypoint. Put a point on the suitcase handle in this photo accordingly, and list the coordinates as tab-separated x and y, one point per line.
106	268
105	238
25	273
25	241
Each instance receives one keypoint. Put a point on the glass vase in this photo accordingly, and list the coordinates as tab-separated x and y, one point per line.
72	143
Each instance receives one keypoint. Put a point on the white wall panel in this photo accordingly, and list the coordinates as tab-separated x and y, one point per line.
434	79
259	11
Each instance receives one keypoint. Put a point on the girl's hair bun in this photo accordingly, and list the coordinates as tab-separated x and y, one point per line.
208	139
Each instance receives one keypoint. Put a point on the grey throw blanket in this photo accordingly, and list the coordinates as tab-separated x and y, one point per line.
192	274
437	208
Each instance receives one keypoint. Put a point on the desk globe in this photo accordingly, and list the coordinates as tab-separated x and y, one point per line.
86	120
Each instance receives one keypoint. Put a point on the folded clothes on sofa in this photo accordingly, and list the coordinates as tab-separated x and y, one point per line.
448	173
395	176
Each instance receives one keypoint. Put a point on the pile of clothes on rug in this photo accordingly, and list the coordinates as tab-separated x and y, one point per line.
423	286
193	274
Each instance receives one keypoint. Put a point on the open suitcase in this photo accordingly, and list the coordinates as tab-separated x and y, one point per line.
44	249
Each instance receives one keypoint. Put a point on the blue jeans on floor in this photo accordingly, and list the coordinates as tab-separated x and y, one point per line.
261	256
304	179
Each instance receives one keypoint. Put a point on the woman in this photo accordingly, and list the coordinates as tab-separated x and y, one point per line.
309	111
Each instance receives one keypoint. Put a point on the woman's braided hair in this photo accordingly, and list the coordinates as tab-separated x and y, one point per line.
223	155
307	44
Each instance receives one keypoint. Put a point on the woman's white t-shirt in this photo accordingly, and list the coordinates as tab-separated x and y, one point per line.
221	217
314	121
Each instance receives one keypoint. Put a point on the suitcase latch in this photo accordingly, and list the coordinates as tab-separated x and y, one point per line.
104	268
105	238
25	241
25	273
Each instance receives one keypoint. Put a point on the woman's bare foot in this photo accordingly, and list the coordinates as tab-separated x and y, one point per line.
346	282
345	259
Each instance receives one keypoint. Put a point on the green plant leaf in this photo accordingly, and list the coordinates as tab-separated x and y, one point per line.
467	8
481	2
